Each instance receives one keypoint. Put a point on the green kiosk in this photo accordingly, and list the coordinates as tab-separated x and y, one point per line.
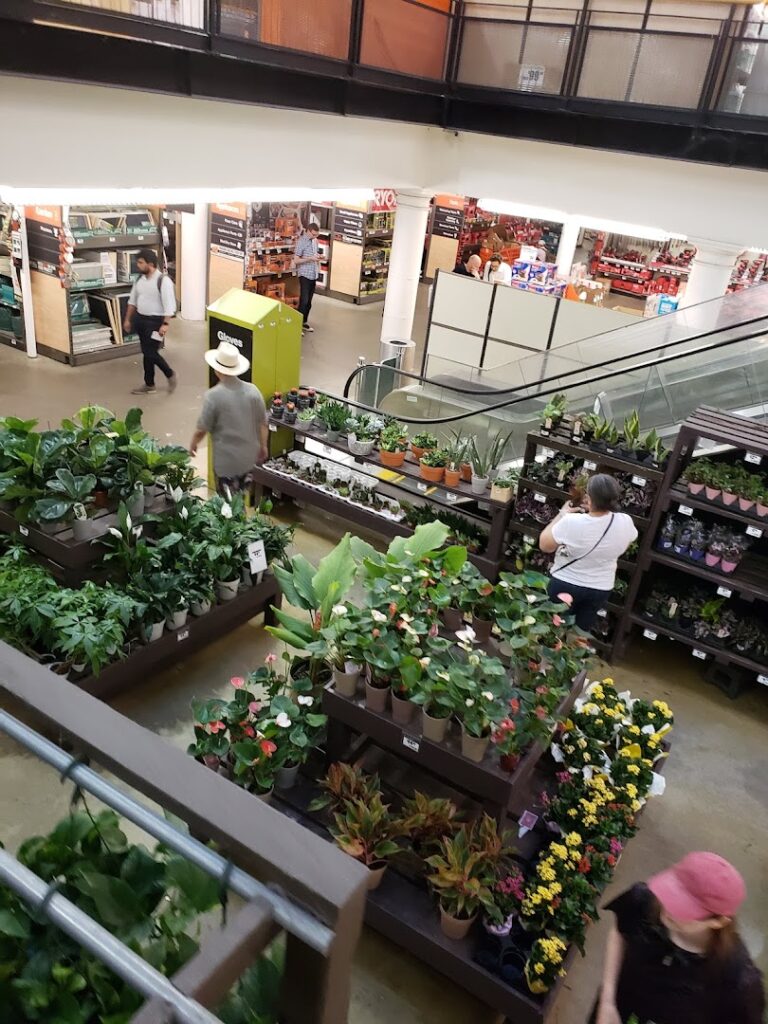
268	333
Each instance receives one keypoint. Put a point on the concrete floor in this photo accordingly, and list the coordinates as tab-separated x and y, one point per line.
717	793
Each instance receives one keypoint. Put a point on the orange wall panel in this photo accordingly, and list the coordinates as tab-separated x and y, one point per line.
313	26
405	37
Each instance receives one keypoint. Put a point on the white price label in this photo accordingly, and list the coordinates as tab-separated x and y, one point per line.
724	592
589	465
603	613
754	531
23	531
685	510
639	481
451	497
649	634
183	634
548	453
273	428
528	539
421	487
412	743
541	498
754	458
257	556
699	654
763	680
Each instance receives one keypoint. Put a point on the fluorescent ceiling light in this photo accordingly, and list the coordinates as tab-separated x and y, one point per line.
159	196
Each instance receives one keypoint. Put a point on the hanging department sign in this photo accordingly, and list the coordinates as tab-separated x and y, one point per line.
531	78
384	200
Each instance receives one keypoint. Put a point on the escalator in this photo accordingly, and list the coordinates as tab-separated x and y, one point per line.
715	353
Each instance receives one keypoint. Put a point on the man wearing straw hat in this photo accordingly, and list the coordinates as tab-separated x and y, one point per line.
235	416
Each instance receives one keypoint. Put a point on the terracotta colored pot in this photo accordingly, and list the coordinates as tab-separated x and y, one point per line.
712	560
433	728
695	488
376	697
392	459
728	498
101	499
474	747
455	927
453	618
452	477
762	510
509	762
418	453
375	876
466	472
433	474
345	683
402	709
728	566
712	493
482	628
745	504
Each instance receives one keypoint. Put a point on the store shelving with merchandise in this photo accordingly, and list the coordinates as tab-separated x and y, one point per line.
751	269
11	313
360	252
273	230
639	267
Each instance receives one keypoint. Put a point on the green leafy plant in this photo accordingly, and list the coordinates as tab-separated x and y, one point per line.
554	410
73	497
435	457
365	830
334	415
344	784
464	871
394	438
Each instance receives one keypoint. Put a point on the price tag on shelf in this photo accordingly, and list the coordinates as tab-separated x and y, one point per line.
23	531
183	634
412	743
273	428
541	498
603	613
548	453
421	487
589	465
754	531
699	654
685	510
450	497
754	458
257	556
724	592
763	680
528	539
639	481
649	634
527	821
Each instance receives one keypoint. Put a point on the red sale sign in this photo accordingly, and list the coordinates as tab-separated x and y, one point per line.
385	200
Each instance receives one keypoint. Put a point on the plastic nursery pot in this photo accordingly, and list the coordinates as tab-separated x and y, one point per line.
712	560
509	762
266	797
137	505
696	554
473	747
453	618
375	874
727	498
479	484
500	930
82	529
452	477
226	590
712	493
154	631
392	459
482	628
332	435
359	447
177	619
418	453
432	474
285	778
345	683
762	510
199	608
455	927
695	488
433	728
727	567
402	709
745	504
376	697
100	499
466	472
245	575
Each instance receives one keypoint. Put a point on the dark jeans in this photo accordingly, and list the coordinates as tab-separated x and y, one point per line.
150	348
306	291
586	601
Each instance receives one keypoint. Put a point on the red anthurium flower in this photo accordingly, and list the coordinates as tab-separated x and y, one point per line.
216	726
434	629
376	632
486	590
268	747
254	707
392	610
540	712
238	682
557	621
514	704
542	689
249	731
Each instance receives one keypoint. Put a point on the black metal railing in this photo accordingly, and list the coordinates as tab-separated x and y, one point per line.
648	58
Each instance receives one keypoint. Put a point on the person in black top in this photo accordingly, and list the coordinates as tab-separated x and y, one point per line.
674	955
469	269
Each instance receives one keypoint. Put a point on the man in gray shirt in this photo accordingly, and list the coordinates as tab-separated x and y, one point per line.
151	306
235	416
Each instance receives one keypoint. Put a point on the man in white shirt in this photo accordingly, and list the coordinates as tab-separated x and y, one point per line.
151	306
497	271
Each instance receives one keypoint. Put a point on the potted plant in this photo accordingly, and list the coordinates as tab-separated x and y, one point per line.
733	552
630	441
545	965
682	542
436	700
383	657
688	611
343	646
715	547
696	475
728	483
698	541
508	895
553	413
343	784
72	501
667	534
750	491
306	417
477	716
462	878
422	442
432	465
503	486
426	821
289	416
462	448
404	687
393	445
299	728
761	501
361	434
334	415
365	830
478	599
481	469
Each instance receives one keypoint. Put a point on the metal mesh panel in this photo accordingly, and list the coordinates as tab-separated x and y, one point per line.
185	13
746	81
500	53
405	37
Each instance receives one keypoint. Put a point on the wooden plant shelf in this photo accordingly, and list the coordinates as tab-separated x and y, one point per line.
561	441
718	654
750	577
558	494
680	495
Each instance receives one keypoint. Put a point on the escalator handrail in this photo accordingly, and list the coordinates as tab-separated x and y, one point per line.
560	376
515	399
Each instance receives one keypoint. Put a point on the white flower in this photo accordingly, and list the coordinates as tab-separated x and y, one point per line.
407	579
115	532
529	620
444	675
306	701
505	584
424	662
137	531
177	494
128	521
469	702
557	753
282	720
406	618
422	572
648	730
487	694
226	510
531	598
184	512
339	609
466	636
378	616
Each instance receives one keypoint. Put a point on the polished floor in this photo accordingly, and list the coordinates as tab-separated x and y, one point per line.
717	776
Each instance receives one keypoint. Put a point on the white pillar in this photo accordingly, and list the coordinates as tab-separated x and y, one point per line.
405	264
567	249
711	271
194	263
25	280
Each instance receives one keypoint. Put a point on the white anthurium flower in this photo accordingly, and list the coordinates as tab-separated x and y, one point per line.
305	700
283	721
184	512
226	510
406	618
466	635
339	609
407	579
115	532
421	572
649	730
137	531
473	659
424	662
487	694
529	620
531	598
557	753
177	494
378	616
504	584
469	702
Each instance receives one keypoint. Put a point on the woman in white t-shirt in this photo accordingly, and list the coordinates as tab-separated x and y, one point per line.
497	271
587	542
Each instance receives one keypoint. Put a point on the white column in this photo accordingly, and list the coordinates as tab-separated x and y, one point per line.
711	270
194	263
405	264
25	280
567	248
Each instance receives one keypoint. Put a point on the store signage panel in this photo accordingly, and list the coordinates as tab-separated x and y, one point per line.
47	249
447	222
348	226
384	200
241	337
228	236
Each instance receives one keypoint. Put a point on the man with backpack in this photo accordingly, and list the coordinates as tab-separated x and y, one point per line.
151	306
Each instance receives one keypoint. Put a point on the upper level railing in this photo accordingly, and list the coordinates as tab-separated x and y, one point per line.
713	58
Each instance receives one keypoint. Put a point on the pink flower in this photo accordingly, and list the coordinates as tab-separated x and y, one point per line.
563	777
434	629
542	689
566	599
249	731
557	621
514	704
216	726
254	707
268	747
616	847
376	633
540	712
270	659
238	682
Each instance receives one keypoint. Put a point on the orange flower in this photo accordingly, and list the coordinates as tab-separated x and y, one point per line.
268	747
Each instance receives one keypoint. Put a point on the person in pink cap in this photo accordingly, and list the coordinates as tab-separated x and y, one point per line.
674	954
